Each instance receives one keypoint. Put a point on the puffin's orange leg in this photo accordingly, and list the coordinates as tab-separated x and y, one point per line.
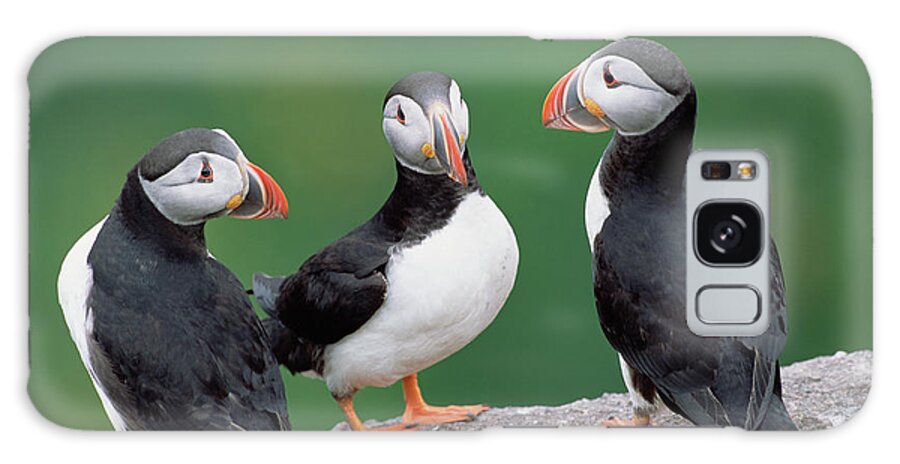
639	420
419	412
346	405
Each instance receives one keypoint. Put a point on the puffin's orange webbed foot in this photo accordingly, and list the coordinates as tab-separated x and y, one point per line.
419	412
637	421
346	404
427	414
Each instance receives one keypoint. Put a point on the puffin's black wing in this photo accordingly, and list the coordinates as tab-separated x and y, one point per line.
193	356
335	291
710	381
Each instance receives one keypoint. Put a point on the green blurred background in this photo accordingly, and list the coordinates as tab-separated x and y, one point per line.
309	111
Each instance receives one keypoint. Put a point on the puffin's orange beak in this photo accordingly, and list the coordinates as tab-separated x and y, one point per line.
265	199
563	108
448	146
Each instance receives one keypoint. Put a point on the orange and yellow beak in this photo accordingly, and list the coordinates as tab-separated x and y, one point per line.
265	199
448	146
565	109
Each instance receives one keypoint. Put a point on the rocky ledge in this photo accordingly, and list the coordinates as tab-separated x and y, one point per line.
819	393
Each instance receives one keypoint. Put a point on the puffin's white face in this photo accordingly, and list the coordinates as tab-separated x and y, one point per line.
207	183
429	139
630	100
203	186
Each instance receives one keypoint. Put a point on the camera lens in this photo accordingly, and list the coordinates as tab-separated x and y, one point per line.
716	170
728	233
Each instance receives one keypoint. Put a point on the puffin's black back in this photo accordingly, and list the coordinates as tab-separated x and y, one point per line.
175	342
639	286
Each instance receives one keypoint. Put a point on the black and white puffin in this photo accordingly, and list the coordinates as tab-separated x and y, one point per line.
413	285
634	217
166	332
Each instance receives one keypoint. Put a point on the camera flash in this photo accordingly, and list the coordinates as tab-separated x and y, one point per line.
746	170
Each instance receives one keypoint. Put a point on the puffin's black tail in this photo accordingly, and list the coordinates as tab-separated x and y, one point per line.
291	351
266	289
777	417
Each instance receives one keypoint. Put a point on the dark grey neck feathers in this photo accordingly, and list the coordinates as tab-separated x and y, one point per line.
421	203
139	219
651	164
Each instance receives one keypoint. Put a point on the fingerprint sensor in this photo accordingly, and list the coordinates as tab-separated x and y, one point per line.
721	304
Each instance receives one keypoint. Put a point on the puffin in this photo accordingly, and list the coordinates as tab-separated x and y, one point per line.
415	283
166	332
634	217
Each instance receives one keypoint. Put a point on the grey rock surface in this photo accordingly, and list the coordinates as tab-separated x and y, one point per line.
820	393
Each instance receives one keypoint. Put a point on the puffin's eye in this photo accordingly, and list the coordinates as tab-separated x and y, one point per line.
206	173
608	78
401	117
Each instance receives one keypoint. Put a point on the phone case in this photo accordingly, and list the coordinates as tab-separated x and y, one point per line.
384	268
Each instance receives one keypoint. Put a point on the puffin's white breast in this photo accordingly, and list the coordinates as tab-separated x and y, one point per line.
596	207
442	292
73	288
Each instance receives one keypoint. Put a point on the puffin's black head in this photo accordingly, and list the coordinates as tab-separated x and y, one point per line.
426	121
199	174
630	85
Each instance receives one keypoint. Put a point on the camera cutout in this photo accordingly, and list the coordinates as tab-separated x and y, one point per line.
728	281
